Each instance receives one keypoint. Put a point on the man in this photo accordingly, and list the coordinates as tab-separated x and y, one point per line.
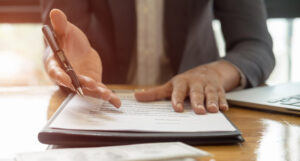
108	28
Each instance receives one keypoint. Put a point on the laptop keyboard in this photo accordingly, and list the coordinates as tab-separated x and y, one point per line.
292	100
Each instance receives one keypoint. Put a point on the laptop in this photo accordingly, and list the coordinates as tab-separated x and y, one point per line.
281	98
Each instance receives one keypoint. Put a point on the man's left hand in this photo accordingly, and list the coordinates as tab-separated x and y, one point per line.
205	85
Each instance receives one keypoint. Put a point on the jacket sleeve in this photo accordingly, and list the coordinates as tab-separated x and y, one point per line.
248	42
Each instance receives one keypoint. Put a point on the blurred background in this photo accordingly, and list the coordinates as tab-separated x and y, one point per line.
21	42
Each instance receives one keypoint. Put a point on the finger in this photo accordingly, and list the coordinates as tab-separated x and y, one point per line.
50	59
101	85
92	88
59	21
223	105
104	94
46	55
87	82
58	75
155	93
178	94
99	90
197	98
97	93
211	96
115	100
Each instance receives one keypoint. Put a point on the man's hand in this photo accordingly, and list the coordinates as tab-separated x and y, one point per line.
205	85
83	58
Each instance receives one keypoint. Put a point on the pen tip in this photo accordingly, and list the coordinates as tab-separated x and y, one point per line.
79	91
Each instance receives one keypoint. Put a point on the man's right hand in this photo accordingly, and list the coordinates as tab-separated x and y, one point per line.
84	59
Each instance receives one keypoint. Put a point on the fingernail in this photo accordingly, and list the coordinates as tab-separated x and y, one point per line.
117	105
179	107
224	106
212	107
200	109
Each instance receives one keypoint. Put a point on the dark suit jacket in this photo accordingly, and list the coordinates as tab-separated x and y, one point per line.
189	39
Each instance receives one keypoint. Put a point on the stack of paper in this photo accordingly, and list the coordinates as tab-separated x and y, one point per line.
86	121
85	113
172	151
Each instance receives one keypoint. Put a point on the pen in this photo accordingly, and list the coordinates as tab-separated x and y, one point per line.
59	53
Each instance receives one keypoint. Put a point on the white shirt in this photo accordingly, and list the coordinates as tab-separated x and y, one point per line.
150	61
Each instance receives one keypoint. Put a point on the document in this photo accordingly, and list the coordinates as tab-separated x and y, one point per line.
172	151
86	113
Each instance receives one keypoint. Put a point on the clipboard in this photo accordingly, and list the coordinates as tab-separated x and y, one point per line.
67	137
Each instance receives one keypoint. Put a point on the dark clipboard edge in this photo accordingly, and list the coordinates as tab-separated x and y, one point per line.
66	137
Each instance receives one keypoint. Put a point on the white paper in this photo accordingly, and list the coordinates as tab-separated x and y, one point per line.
137	152
94	114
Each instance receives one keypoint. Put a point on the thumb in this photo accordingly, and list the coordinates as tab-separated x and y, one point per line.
59	21
156	93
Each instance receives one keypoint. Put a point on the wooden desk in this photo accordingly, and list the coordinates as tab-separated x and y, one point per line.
268	136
